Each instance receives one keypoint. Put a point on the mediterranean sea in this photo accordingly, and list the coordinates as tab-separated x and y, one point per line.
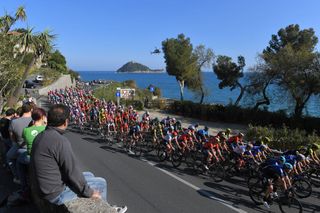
170	89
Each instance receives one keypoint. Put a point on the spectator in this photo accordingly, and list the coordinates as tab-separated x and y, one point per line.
4	130
39	122
18	146
56	174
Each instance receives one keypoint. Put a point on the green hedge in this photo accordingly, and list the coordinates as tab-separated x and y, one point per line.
138	105
282	138
235	114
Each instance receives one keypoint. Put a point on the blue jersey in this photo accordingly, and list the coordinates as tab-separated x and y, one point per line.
202	132
292	159
277	169
255	150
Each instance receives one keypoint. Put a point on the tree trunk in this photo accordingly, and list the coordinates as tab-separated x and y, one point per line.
181	84
242	90
16	93
300	105
202	95
266	99
1	103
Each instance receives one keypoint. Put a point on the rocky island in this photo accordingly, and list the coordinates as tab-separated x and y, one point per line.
134	67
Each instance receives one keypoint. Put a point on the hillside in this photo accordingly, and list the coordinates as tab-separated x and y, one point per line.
134	67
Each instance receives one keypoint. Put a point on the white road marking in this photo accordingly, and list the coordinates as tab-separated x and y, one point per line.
207	194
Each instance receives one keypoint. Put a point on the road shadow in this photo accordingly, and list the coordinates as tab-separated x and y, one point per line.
94	140
230	200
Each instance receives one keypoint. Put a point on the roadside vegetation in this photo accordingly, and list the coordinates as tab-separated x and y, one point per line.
139	100
290	62
24	52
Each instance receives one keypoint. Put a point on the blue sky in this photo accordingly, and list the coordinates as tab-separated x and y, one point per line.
105	34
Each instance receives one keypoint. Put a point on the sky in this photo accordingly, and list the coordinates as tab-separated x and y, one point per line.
102	35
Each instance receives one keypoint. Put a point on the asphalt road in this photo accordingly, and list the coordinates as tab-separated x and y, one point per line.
146	186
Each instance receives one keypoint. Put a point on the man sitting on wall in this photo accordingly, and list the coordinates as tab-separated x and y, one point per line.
54	166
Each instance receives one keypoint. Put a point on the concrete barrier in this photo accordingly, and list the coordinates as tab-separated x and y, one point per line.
63	82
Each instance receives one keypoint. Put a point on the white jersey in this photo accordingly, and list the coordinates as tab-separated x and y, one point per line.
239	149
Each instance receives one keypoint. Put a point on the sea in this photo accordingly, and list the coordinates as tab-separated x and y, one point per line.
170	89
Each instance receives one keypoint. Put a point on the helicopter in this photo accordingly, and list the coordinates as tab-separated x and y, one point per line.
156	51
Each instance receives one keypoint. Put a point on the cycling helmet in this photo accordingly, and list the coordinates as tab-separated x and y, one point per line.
302	148
174	133
192	128
216	139
282	159
249	146
266	139
287	166
223	136
241	134
300	157
315	146
228	130
206	128
196	125
147	113
263	147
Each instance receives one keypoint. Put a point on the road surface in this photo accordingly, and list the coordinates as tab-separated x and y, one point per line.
147	186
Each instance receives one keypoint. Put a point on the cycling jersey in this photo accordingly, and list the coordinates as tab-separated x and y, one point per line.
134	129
273	172
255	150
239	149
292	159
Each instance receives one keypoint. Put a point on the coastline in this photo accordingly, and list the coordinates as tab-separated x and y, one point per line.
147	72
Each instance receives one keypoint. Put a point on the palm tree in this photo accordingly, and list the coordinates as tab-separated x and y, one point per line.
38	45
7	21
20	14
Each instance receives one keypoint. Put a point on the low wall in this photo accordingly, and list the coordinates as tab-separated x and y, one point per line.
63	82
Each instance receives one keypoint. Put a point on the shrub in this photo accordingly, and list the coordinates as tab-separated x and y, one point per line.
282	138
138	105
235	114
130	83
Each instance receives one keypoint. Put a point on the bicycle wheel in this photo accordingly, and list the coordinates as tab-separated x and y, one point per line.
256	197
289	205
255	184
217	173
162	153
176	158
136	149
149	147
315	178
302	188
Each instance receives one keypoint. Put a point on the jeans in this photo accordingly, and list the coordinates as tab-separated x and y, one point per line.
12	156
6	146
95	183
22	169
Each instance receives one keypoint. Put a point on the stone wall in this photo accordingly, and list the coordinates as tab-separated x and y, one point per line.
62	82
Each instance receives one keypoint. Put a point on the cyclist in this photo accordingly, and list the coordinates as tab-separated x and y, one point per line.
134	134
235	140
276	174
167	140
202	134
311	153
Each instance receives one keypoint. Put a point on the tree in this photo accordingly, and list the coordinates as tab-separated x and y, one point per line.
9	69
205	58
7	21
38	45
295	65
180	60
57	61
230	73
260	78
